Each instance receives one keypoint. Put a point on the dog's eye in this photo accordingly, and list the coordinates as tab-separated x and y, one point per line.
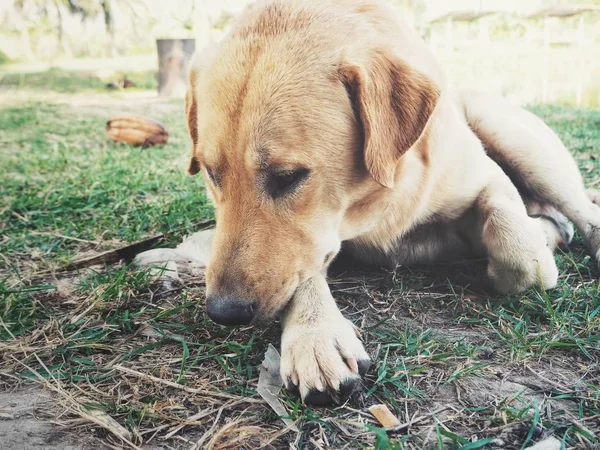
211	175
283	183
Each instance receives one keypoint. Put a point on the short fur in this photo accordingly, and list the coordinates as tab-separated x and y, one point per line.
402	169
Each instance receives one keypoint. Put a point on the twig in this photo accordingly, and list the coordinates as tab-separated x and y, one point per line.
113	256
558	386
417	420
200	415
127	252
198	445
172	384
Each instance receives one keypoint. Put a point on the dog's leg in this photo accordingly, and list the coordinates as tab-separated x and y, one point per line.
517	247
573	201
322	356
535	159
594	196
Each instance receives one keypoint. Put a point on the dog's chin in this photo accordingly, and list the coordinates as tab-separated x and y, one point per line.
262	320
265	316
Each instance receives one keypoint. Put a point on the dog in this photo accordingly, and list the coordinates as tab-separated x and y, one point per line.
317	124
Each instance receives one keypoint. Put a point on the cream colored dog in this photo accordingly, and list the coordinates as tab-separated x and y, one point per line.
322	122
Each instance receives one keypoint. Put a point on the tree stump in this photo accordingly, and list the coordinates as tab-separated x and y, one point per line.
173	60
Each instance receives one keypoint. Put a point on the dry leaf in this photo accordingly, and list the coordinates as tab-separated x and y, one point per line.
384	416
270	384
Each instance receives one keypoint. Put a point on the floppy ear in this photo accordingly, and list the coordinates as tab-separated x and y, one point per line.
393	102
191	112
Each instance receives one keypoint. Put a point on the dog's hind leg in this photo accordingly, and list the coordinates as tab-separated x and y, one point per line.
559	230
594	196
519	255
535	159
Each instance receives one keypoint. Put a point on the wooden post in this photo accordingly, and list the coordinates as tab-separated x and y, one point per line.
173	60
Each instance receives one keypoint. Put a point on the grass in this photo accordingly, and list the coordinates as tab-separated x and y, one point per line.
64	177
4	59
69	82
466	368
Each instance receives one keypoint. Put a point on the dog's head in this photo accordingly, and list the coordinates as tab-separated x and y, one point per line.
299	136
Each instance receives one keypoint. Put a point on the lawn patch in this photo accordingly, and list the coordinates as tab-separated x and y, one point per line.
459	366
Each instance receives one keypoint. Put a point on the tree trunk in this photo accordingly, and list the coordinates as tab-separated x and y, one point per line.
110	31
62	38
173	61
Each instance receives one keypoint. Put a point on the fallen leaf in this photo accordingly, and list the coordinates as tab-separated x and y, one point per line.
384	416
270	384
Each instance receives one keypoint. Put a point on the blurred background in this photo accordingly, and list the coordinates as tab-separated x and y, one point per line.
532	51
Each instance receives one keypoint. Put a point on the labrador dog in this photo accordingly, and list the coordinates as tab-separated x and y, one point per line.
317	123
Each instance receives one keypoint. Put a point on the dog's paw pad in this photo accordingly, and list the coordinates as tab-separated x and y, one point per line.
347	388
567	231
363	366
318	398
292	388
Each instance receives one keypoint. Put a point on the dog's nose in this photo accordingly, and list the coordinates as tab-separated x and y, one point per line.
229	311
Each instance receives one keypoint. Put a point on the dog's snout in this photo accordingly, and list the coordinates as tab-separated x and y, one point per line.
229	311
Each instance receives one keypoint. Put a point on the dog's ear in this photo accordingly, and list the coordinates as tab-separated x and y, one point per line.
393	103
191	113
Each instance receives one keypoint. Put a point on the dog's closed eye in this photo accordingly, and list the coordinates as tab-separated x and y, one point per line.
282	183
211	176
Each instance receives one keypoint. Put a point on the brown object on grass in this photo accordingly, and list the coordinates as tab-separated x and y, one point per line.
128	84
127	252
136	130
384	416
114	256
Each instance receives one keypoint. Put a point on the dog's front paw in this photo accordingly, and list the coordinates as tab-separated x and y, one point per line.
323	362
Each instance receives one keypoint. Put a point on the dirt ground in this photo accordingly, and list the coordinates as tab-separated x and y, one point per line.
24	427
